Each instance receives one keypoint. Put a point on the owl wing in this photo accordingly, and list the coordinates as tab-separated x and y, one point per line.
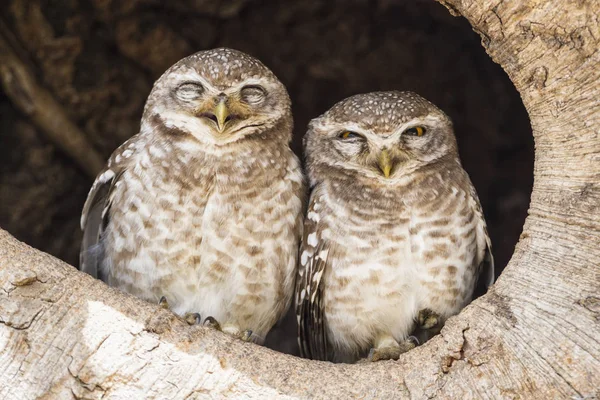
314	253
485	270
95	214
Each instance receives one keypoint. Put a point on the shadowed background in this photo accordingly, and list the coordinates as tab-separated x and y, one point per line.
97	59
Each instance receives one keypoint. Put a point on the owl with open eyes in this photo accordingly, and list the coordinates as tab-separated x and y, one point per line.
202	210
394	240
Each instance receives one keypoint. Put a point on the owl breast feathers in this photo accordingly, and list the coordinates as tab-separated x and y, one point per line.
203	207
394	227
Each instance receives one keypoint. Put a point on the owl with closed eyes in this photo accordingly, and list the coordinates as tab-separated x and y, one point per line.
394	239
202	210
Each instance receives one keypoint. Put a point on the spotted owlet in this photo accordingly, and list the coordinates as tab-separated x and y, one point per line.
394	238
204	206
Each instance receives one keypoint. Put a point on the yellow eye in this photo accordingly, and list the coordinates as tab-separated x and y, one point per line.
416	131
348	135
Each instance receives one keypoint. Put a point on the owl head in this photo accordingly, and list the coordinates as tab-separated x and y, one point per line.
218	97
381	136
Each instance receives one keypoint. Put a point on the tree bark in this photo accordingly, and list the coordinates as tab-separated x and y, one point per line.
535	334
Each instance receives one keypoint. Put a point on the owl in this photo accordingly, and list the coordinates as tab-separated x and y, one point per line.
202	209
394	238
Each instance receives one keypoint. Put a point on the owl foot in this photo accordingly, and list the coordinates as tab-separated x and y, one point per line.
428	324
427	319
163	302
192	318
232	330
212	323
245	336
391	350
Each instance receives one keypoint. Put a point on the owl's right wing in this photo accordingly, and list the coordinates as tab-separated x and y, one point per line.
95	214
314	252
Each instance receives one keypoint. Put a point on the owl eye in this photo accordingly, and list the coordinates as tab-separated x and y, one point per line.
190	91
253	94
349	135
415	131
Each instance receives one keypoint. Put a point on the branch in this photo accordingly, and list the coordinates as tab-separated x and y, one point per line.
63	333
46	113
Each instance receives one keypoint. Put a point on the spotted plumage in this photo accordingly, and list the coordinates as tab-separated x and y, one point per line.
204	205
394	228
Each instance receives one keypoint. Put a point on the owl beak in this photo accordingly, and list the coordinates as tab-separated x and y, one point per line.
222	113
385	163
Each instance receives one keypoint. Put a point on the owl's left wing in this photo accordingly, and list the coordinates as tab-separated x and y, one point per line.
314	252
95	214
94	220
485	270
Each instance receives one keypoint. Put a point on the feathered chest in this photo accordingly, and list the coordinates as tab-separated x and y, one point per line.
413	226
383	262
181	215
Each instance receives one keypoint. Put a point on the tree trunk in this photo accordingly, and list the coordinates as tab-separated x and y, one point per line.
535	334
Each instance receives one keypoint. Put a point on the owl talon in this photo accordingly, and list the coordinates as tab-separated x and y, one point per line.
212	323
414	340
384	353
192	318
392	352
163	302
427	319
246	335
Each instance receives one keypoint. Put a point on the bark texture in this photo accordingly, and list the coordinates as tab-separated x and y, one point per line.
536	334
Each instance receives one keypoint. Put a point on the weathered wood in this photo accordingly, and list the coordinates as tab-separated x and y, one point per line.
536	334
